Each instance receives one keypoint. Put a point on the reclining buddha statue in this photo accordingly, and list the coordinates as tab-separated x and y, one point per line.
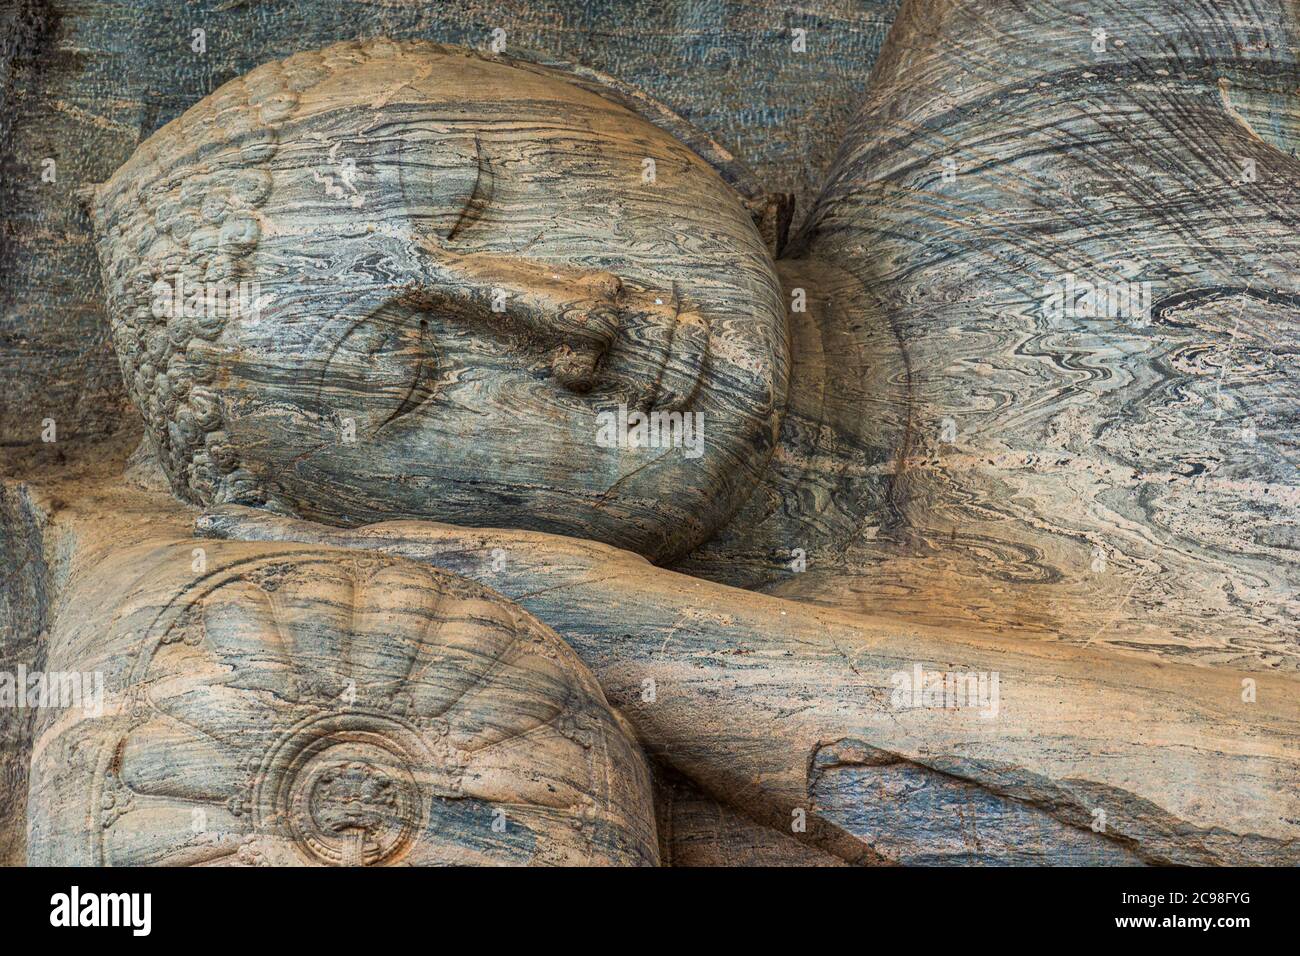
512	483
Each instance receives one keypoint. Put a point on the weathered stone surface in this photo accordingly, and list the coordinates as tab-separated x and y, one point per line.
24	612
697	830
963	447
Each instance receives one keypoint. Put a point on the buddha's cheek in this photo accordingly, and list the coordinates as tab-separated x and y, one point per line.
470	446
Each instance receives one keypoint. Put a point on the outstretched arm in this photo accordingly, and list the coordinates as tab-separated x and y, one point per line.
810	718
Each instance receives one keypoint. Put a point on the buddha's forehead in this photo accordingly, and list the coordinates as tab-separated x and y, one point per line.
383	140
448	139
442	100
487	157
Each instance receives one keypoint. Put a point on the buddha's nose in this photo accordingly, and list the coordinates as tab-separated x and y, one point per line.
590	327
573	316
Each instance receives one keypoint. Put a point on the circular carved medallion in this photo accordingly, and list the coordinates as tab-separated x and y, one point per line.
344	789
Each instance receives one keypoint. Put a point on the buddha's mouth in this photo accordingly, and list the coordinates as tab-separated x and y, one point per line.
685	359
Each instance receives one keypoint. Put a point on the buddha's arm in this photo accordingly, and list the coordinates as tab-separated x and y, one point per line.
796	712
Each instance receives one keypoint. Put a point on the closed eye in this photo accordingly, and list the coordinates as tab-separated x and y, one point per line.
388	356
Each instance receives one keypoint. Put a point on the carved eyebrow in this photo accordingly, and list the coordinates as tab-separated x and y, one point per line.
448	198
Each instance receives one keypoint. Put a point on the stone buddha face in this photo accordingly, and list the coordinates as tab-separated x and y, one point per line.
391	281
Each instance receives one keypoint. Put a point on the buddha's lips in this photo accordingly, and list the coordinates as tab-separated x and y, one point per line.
682	371
654	322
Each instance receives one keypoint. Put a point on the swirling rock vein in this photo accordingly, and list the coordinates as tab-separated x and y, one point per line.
1046	384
